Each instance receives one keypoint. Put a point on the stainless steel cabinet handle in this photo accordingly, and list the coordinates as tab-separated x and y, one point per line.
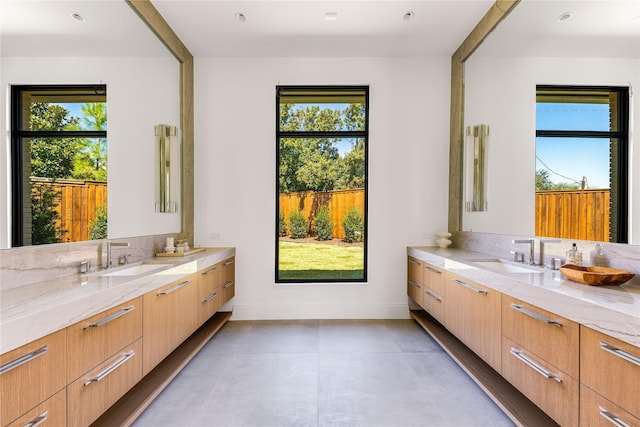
412	283
210	297
109	318
468	286
413	261
210	270
115	365
613	419
535	315
620	353
539	369
228	262
174	288
23	359
433	269
226	285
37	420
434	296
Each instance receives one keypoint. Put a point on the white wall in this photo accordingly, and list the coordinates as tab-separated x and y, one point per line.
141	92
501	92
235	175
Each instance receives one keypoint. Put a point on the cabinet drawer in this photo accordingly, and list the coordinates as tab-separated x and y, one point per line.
51	413
433	303
552	390
95	339
228	283
611	368
414	269
31	374
415	292
433	278
551	337
209	293
94	392
596	411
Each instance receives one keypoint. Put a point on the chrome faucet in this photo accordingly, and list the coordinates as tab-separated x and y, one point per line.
530	243
542	243
109	245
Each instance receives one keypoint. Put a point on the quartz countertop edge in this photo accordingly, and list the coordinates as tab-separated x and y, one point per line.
612	310
31	312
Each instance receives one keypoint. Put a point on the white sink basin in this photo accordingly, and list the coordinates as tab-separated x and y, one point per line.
499	265
136	270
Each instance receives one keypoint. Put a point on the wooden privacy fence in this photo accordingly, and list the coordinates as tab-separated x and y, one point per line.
573	214
78	204
308	202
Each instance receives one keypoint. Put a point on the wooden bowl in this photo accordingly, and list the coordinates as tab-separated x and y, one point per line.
596	276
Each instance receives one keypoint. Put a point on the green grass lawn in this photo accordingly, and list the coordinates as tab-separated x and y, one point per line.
303	261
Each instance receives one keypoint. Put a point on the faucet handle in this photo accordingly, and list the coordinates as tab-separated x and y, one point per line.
517	256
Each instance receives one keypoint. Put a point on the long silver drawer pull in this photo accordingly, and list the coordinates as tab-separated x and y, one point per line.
412	283
109	318
23	359
413	261
174	288
433	270
468	286
210	271
535	366
210	297
620	353
613	419
115	365
228	262
226	285
434	296
535	315
37	420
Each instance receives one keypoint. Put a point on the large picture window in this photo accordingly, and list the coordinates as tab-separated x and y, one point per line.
321	188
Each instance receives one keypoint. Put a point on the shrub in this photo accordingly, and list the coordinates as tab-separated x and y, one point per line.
298	225
353	225
323	223
282	225
98	227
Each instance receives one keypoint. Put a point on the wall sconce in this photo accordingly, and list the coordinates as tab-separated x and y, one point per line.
168	168
476	170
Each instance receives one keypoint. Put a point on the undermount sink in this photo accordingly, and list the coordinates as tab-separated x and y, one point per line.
136	270
506	267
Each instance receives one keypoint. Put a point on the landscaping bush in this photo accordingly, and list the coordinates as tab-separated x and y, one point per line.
353	225
323	224
282	225
298	225
98	227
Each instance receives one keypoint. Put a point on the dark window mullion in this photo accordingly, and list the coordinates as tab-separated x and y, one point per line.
61	134
577	134
321	134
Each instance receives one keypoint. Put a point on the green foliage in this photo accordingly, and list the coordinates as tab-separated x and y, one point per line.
353	225
44	200
544	183
298	225
282	225
98	227
323	224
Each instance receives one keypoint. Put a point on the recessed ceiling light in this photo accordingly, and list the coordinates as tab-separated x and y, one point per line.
331	16
77	17
240	17
407	16
565	16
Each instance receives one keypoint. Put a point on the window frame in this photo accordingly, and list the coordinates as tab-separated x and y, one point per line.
323	134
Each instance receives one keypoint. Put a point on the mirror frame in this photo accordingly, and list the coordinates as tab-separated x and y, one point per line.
498	11
156	23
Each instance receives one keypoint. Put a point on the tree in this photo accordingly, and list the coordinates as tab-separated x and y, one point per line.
91	158
51	157
544	183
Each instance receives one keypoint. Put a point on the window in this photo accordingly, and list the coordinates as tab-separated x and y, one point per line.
582	149
58	163
321	187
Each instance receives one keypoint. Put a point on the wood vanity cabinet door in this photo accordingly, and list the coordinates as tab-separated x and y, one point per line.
551	337
434	291
414	280
94	392
209	294
228	283
51	413
473	315
169	317
31	374
596	411
98	337
611	368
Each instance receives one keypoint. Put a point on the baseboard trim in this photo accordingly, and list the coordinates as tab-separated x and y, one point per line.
319	311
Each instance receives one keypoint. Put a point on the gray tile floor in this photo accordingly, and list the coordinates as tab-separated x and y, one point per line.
322	373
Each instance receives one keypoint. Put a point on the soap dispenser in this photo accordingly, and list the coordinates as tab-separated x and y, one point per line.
574	256
598	256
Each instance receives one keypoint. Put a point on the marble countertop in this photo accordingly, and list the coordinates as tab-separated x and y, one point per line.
33	311
613	310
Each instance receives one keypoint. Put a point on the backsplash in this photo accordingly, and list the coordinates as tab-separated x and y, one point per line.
621	256
31	264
